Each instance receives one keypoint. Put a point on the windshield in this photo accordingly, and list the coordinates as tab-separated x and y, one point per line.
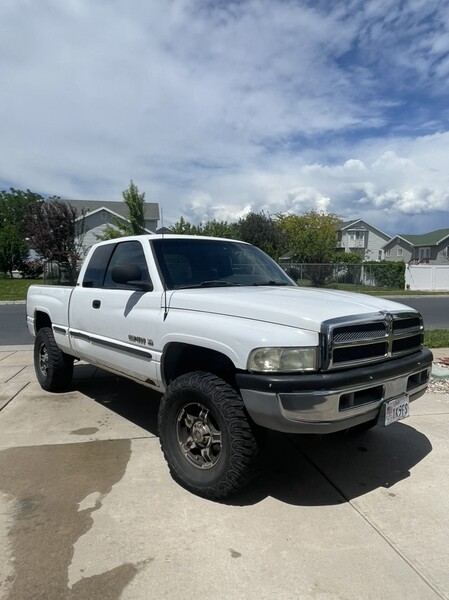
190	263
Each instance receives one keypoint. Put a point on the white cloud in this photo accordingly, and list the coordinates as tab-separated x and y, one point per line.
387	188
215	109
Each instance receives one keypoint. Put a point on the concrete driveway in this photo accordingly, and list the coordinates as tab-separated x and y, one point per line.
88	509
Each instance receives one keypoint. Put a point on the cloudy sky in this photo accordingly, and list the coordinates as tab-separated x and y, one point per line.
218	108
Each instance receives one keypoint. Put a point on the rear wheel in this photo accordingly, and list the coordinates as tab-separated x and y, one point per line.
206	437
53	367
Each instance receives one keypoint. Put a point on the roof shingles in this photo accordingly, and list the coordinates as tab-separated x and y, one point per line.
426	239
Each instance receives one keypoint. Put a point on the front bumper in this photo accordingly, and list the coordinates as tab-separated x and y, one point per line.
332	401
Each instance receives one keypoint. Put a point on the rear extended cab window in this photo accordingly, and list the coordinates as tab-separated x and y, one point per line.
99	270
96	268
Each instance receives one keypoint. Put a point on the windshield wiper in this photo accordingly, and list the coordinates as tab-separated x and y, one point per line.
270	282
207	283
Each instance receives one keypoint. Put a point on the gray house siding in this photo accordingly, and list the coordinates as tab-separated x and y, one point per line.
398	252
423	251
442	257
95	216
375	248
92	227
358	237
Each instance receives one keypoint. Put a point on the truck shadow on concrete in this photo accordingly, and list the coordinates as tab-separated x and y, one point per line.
136	403
337	468
303	470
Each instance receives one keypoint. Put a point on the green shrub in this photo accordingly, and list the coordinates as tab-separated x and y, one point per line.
388	274
31	269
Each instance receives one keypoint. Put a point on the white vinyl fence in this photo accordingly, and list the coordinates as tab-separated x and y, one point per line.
427	277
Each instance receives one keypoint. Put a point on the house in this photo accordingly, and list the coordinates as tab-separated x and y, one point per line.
164	230
95	215
428	248
358	237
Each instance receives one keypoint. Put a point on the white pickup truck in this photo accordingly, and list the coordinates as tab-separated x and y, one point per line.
234	346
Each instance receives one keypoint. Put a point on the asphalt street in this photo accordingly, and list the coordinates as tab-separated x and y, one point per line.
13	329
434	309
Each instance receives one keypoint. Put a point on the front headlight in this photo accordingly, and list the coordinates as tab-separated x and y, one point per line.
283	360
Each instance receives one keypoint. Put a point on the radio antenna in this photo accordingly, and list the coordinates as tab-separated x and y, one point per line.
163	278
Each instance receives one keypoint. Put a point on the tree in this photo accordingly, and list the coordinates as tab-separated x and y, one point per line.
310	236
348	258
212	228
13	209
261	230
13	249
32	268
136	208
221	229
52	233
348	267
135	202
14	205
388	274
183	227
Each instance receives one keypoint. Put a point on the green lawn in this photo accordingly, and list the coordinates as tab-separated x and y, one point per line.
436	338
15	289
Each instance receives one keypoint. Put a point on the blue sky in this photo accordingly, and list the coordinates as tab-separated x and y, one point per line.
215	109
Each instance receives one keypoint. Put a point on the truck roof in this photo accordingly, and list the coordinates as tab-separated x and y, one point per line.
171	236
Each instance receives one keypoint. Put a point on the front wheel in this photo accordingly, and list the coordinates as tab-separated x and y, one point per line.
206	437
53	367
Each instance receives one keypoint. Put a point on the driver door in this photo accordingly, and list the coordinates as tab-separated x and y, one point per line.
114	324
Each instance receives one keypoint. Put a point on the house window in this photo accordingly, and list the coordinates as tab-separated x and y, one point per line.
379	255
400	252
357	235
424	253
387	253
104	216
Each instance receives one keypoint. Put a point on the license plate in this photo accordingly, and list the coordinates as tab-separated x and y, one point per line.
396	409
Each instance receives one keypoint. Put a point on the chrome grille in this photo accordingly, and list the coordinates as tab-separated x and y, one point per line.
360	340
363	332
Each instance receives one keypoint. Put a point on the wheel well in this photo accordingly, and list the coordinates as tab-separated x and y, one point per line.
185	358
41	319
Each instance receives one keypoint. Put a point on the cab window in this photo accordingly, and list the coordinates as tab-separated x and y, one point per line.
96	269
125	254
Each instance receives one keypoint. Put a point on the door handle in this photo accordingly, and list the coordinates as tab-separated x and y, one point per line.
96	303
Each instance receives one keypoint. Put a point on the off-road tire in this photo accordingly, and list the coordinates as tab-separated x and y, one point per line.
53	367
197	408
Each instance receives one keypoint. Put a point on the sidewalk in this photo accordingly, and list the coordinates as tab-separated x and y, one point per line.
88	510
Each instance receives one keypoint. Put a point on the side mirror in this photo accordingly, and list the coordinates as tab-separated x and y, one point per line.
130	275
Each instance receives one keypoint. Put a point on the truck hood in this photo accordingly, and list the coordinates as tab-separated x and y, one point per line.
303	308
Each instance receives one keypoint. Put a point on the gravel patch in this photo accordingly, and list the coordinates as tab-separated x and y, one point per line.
439	379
